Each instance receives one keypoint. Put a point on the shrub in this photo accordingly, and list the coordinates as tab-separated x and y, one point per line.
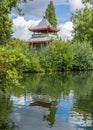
83	56
28	51
57	57
12	63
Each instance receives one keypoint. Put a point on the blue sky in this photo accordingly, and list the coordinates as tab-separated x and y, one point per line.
63	13
34	11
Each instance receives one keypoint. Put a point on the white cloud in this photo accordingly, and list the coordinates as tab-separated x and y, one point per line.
66	31
20	29
75	4
36	8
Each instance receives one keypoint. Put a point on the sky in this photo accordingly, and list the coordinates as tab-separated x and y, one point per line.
35	10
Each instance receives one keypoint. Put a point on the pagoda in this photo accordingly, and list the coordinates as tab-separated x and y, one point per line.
43	34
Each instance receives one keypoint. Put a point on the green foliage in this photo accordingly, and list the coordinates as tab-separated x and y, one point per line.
12	59
28	51
12	63
57	57
5	23
83	25
5	28
7	5
50	14
83	56
35	65
34	62
87	1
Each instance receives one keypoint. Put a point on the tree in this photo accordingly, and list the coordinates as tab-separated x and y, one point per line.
5	28
50	14
87	1
5	23
83	24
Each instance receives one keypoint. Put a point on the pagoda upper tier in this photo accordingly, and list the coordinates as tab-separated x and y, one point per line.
43	27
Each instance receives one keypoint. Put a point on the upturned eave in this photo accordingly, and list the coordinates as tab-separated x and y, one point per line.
37	30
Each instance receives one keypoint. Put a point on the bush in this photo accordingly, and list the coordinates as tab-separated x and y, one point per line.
12	63
28	51
83	56
57	57
34	63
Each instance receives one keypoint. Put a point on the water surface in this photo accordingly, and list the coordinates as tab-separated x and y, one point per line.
54	102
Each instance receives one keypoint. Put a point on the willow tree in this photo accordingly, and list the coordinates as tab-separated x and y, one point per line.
50	14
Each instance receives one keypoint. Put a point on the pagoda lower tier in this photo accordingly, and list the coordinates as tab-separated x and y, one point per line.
39	41
43	38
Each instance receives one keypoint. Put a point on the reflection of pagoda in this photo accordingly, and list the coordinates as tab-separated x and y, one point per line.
44	33
47	104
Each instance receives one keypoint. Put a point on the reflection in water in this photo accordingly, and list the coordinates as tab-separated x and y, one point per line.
5	109
51	116
54	101
51	109
83	106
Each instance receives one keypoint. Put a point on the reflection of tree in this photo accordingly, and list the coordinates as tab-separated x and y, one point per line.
82	82
83	91
48	84
51	108
84	105
5	109
51	116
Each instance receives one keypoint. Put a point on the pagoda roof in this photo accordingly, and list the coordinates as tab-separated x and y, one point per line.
43	26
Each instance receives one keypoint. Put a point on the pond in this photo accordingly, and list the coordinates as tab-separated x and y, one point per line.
61	101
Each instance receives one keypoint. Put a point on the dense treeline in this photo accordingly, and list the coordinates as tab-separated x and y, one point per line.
60	57
67	56
56	56
18	57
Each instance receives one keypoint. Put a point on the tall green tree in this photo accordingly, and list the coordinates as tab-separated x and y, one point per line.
50	14
83	24
5	22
